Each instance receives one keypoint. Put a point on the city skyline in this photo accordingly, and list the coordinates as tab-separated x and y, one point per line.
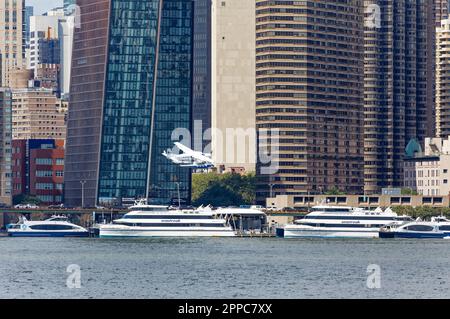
343	110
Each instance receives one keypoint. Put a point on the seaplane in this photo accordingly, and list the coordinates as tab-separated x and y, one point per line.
189	157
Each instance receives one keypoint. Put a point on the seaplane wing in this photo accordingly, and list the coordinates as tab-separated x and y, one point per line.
194	154
184	148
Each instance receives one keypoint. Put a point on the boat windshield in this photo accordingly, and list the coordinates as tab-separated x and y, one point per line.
57	219
149	208
332	209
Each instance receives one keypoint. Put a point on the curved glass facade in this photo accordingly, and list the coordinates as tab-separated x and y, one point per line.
147	64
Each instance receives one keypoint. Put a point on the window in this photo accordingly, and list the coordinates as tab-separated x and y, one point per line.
420	228
44	173
51	227
60	161
44	161
44	186
45	198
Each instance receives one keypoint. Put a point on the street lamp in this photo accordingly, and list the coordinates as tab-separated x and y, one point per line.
271	189
178	190
308	202
82	193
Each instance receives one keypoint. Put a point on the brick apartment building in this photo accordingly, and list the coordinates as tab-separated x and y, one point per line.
38	169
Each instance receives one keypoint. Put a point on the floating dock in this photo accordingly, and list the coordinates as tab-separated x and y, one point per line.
255	235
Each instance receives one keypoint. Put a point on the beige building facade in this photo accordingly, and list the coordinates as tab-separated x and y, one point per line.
428	172
37	114
12	43
302	203
233	84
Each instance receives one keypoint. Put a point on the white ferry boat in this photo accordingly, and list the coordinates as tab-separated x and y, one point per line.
159	221
342	222
56	226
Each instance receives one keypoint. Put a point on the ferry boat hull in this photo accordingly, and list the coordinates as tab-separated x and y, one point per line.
110	232
47	234
327	233
418	235
56	226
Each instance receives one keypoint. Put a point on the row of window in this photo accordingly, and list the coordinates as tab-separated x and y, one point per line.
49	161
49	173
49	186
175	225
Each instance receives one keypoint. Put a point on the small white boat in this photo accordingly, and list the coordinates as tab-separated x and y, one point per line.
56	226
341	222
438	227
159	221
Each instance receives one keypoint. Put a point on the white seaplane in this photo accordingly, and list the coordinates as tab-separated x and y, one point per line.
189	157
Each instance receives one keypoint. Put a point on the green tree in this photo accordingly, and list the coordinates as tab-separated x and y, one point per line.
223	189
334	191
424	212
26	199
408	191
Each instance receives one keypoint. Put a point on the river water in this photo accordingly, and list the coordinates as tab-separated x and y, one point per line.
223	268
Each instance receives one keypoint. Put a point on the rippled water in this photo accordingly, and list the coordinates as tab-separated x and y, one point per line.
223	268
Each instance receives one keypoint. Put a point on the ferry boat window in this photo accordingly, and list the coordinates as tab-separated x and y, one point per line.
52	227
446	227
420	228
167	217
58	219
405	218
178	225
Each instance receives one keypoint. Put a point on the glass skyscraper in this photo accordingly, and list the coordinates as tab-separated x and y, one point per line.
201	95
131	88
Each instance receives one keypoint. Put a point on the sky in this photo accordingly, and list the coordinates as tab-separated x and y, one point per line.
41	6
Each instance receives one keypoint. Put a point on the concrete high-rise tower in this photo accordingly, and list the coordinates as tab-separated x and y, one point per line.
309	87
233	84
12	38
398	86
441	11
442	82
5	146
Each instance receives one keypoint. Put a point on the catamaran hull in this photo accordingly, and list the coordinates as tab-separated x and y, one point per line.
302	233
47	234
109	233
419	235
